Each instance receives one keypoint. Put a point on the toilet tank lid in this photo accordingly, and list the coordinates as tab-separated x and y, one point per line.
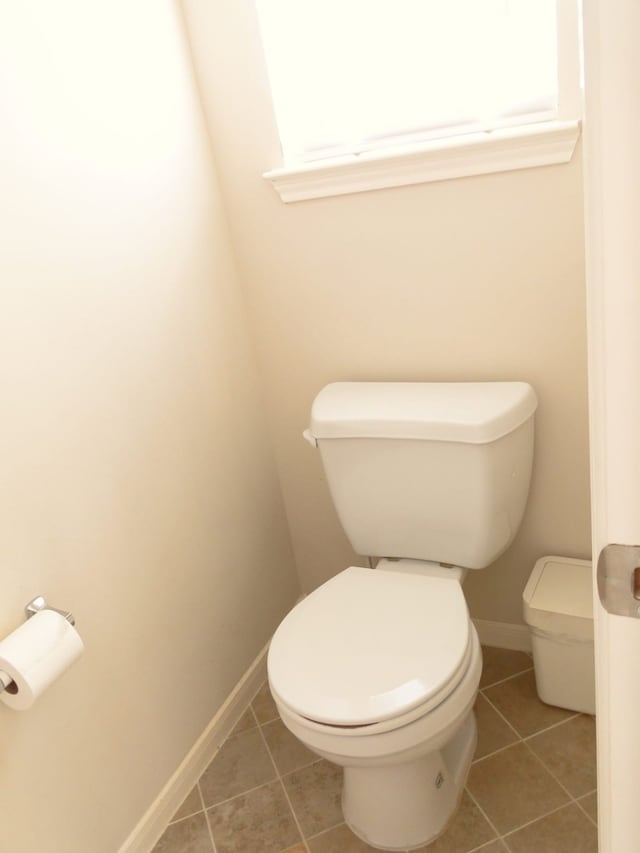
468	412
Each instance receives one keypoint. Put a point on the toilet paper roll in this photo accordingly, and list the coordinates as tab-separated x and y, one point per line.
35	655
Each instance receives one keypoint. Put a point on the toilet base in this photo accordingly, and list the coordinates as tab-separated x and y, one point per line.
400	806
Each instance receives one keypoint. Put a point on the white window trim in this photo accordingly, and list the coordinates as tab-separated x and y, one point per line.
502	150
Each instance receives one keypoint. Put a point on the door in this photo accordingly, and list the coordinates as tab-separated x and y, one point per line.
612	193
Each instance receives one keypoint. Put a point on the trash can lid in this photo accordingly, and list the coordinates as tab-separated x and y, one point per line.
558	597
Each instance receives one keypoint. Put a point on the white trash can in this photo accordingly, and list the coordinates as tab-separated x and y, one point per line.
558	607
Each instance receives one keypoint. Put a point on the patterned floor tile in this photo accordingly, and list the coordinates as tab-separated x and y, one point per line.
246	721
257	822
564	831
493	732
512	788
242	763
340	839
590	805
263	705
286	750
517	700
569	752
498	664
186	836
493	847
191	805
315	793
466	831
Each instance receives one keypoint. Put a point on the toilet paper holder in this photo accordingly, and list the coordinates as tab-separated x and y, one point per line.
31	608
39	603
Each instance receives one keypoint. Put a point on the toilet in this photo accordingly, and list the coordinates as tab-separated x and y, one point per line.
377	670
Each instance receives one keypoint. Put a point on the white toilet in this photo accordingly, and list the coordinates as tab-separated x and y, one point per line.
378	669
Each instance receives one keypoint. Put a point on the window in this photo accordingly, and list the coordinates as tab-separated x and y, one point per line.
365	81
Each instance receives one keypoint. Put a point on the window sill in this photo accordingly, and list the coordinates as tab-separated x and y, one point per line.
456	157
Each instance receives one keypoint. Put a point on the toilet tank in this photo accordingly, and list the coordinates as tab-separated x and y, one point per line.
429	471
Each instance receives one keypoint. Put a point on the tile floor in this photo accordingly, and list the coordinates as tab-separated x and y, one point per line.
531	788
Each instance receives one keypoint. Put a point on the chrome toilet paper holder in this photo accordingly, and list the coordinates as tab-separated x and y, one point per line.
34	606
39	603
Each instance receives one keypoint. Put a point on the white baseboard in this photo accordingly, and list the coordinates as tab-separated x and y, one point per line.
154	821
503	635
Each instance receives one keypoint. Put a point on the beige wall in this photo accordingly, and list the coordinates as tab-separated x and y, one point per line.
138	487
480	278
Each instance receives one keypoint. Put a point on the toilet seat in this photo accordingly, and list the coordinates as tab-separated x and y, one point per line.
371	650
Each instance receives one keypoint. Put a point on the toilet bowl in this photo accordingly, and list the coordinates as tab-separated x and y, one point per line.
359	688
378	669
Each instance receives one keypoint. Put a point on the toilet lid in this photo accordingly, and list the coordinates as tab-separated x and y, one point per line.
370	645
